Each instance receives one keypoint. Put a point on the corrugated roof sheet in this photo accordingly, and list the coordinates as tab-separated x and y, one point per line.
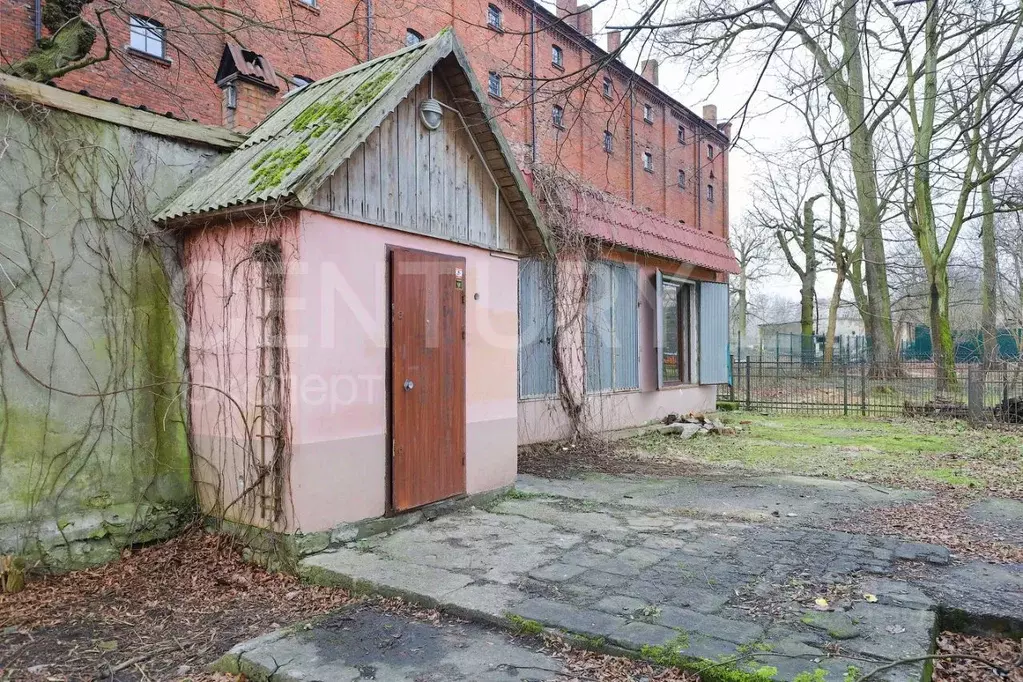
283	150
616	223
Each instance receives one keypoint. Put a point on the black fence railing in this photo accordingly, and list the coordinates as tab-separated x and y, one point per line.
979	394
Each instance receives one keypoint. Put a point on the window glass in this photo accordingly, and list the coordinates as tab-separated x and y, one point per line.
413	37
710	151
493	17
557	56
648	161
557	115
681	135
147	36
648	113
676	302
608	141
681	178
710	192
608	87
494	84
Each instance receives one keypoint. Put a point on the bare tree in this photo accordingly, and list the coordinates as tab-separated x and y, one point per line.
753	249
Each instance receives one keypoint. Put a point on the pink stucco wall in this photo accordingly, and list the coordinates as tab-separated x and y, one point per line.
544	419
223	337
338	330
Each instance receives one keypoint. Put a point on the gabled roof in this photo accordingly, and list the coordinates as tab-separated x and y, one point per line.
305	139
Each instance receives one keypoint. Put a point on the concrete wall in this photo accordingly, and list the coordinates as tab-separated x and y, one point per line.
93	444
340	321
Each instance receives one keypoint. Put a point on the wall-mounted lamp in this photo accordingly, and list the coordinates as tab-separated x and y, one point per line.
431	113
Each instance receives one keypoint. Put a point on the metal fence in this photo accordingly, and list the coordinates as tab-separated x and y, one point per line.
982	395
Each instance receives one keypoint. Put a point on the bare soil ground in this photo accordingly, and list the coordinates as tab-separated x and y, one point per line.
167	611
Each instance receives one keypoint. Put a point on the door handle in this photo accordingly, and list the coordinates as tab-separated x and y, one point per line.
409	385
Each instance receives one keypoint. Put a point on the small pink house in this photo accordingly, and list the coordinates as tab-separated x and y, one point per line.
371	301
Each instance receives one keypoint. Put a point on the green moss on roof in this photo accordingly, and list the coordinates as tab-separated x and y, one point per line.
337	113
273	165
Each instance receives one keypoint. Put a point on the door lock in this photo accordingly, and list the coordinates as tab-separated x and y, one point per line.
409	385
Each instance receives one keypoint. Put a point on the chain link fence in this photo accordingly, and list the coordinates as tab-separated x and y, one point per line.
809	386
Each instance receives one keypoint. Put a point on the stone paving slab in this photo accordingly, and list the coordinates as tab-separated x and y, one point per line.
642	575
365	644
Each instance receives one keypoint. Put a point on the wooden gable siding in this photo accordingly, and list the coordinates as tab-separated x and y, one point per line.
433	183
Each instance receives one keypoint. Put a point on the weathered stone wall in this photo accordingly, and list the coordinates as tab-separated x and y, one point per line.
93	431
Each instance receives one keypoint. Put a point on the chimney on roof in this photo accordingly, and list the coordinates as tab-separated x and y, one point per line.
614	40
568	12
585	20
710	114
249	85
650	69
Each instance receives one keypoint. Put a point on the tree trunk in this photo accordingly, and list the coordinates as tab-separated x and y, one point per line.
878	318
833	306
942	341
989	279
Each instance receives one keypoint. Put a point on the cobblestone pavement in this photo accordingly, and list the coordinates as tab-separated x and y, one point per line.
649	577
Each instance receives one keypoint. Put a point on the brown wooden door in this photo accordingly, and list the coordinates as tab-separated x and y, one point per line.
427	378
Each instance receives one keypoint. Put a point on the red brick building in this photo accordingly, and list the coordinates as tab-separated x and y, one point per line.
555	107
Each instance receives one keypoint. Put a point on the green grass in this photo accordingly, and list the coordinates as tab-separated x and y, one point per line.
921	453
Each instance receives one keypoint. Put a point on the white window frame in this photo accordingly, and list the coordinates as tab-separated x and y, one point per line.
495	78
412	37
648	113
495	17
648	162
144	32
557	57
681	134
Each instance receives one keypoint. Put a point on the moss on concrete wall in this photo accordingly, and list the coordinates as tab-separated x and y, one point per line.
93	426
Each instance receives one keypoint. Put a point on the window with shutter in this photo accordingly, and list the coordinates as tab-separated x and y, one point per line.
611	332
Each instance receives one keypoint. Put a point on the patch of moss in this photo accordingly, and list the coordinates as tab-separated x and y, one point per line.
274	165
524	626
951	477
338	112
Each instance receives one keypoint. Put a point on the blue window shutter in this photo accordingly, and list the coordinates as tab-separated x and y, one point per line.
597	332
537	375
626	327
713	333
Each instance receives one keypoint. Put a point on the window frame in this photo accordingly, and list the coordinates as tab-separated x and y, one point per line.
648	112
609	142
411	33
495	18
608	88
681	134
681	178
558	116
687	330
557	57
148	30
648	161
710	193
710	151
492	78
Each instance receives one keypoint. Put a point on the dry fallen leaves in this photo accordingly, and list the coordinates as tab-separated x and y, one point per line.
1004	652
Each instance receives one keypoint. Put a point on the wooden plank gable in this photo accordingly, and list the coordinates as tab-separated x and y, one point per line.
434	183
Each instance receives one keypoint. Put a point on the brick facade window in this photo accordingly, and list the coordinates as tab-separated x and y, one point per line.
412	37
681	179
648	162
648	113
608	87
558	116
710	151
557	57
147	36
231	96
308	3
494	84
681	135
609	141
710	192
494	19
